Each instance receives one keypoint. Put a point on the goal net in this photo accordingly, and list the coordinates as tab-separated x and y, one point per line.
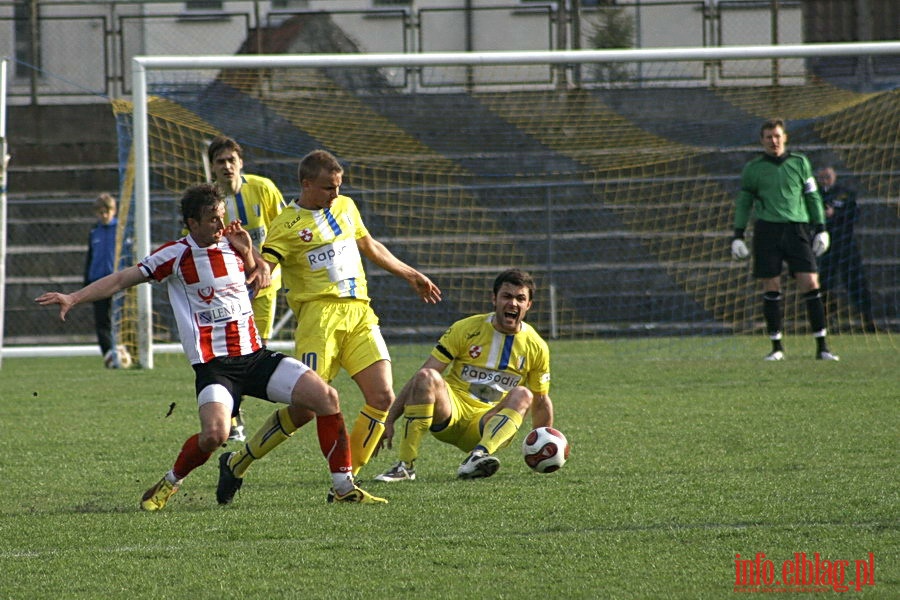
609	175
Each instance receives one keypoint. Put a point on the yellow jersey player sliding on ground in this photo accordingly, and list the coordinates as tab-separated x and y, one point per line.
207	273
499	368
254	201
319	241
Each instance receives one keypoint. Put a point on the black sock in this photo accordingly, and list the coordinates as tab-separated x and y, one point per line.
773	311
815	310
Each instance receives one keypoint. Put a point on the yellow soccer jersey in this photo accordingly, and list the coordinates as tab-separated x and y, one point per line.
256	205
486	364
317	252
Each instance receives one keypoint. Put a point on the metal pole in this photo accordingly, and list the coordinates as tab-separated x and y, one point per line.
639	40
576	40
376	59
4	162
256	17
554	321
775	64
470	45
562	41
142	211
34	48
863	33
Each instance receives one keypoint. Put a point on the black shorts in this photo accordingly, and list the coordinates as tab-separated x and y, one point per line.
240	375
777	243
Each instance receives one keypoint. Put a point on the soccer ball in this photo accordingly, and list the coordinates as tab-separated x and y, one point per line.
119	358
545	449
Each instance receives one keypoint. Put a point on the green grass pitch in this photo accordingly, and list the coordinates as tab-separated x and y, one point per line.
678	464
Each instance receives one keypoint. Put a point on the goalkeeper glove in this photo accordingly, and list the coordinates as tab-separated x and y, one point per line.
739	250
820	243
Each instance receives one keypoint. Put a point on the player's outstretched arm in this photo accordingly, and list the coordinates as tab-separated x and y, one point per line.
425	288
384	258
102	288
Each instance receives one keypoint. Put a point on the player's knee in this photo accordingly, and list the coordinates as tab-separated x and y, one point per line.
429	379
426	387
380	399
215	403
300	416
214	437
519	399
331	400
321	399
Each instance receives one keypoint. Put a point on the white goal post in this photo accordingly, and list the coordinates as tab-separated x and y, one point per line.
143	64
4	163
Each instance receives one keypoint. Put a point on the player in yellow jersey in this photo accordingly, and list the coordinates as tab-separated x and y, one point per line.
254	201
499	369
319	241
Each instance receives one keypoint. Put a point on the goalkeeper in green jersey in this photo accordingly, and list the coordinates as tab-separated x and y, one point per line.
485	374
780	189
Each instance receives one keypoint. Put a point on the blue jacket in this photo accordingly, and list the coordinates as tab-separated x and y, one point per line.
101	255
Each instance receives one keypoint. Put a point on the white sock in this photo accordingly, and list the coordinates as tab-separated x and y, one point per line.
342	483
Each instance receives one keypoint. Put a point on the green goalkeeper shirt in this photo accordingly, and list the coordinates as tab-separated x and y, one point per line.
779	190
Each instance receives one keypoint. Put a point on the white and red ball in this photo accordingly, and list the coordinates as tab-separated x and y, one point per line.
118	358
545	449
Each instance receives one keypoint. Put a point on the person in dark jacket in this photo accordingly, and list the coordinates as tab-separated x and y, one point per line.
843	261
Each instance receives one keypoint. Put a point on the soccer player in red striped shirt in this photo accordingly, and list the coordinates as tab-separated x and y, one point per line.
207	273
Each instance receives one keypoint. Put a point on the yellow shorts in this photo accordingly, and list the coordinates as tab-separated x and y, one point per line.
338	333
464	428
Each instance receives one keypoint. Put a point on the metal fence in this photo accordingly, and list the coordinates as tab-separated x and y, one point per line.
66	51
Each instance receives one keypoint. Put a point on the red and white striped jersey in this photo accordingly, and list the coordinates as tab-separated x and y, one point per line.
209	297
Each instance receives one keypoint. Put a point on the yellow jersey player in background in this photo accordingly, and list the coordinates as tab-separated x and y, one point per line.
499	369
319	241
254	201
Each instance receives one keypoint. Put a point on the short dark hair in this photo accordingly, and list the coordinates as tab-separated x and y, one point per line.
516	277
196	198
315	162
221	142
772	124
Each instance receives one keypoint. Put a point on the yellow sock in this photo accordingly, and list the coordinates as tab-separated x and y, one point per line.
366	434
416	421
277	428
500	429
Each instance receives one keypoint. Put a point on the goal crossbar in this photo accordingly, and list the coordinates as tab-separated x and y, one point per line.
514	57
